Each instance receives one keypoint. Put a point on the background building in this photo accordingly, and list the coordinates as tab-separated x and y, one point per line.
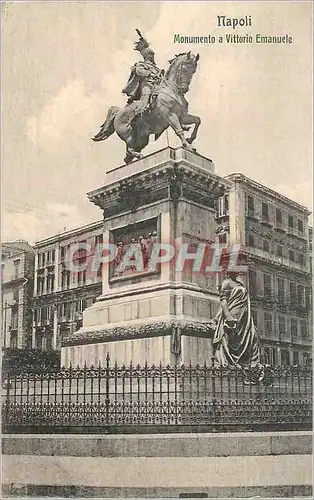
275	233
61	295
17	273
272	229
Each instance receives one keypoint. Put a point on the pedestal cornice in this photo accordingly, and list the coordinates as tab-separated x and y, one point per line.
175	177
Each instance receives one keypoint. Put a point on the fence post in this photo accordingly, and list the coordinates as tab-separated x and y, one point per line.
107	387
7	409
213	390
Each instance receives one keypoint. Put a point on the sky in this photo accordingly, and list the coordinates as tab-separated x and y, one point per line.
64	65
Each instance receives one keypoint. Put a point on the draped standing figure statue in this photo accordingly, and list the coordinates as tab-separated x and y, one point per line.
235	339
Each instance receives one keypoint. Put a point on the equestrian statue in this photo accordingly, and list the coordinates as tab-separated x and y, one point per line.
156	100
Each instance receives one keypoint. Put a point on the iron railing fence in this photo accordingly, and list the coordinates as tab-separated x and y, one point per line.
158	398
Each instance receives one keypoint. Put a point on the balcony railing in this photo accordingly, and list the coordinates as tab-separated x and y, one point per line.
279	226
251	214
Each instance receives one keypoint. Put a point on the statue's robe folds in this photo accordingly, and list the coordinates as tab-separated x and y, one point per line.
132	88
238	345
143	72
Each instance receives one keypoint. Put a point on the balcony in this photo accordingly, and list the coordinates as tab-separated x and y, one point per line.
279	226
265	220
221	214
277	259
252	214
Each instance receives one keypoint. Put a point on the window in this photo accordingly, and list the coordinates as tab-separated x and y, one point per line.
268	322
307	358
222	238
274	356
278	216
296	357
267	285
40	285
80	305
308	297
282	325
50	312
293	293
265	246
285	357
294	328
38	341
80	255
65	310
301	259
63	252
267	358
304	329
301	295
36	316
250	240
49	342
222	207
16	268
300	226
252	282
99	270
270	355
279	250
98	239
281	289
290	221
81	277
65	279
50	282
41	260
250	206
291	255
265	213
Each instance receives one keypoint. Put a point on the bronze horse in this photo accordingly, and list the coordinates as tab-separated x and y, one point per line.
169	108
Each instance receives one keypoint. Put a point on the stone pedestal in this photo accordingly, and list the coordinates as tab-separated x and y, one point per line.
160	315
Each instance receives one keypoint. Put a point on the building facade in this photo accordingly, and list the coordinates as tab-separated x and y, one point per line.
17	275
61	293
274	232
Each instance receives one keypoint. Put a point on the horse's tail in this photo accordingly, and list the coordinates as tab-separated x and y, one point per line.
107	128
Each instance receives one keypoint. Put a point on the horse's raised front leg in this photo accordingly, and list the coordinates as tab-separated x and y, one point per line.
191	120
175	124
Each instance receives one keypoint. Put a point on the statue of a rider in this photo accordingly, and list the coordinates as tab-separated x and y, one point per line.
144	78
